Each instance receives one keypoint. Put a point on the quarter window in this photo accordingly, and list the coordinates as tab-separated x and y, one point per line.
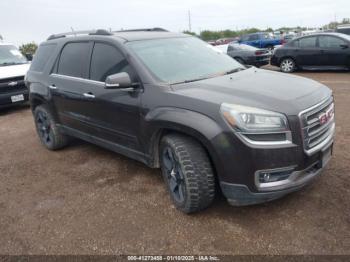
74	60
107	60
41	57
308	42
330	42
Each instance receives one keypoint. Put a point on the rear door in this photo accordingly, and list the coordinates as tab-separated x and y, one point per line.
68	82
333	51
308	53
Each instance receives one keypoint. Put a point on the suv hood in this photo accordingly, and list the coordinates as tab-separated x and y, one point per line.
279	92
13	70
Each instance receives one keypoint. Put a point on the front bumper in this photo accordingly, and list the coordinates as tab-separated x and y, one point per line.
5	99
258	60
241	195
274	60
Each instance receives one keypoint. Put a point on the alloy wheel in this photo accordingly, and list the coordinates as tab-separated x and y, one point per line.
287	65
44	127
174	175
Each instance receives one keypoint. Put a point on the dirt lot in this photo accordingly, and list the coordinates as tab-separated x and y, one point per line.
87	200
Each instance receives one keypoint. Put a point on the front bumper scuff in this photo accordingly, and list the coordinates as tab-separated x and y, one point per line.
240	195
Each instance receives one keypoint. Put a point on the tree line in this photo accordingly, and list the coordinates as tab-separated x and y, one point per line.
207	35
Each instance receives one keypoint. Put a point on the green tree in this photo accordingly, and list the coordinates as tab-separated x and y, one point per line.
189	33
28	48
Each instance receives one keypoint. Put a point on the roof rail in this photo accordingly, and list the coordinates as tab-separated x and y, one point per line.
154	29
75	33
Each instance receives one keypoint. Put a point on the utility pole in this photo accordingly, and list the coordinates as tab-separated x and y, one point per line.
189	21
73	30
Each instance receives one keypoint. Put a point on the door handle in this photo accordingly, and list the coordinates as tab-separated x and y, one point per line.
89	95
52	87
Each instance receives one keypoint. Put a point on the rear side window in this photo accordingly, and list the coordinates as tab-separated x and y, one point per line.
253	37
330	42
106	60
74	60
42	55
245	38
308	42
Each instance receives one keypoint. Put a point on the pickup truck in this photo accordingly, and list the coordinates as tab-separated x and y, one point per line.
260	40
13	67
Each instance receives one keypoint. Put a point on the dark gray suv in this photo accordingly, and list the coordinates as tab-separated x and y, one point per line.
172	101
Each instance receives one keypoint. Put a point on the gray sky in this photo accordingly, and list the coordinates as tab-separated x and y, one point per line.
34	20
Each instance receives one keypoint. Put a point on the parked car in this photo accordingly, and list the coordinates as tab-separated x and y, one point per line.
224	41
249	55
325	51
13	67
261	40
246	54
173	101
343	29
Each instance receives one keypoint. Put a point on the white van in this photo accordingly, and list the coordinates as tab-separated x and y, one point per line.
13	68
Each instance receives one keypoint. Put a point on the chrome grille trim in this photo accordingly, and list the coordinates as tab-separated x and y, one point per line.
314	134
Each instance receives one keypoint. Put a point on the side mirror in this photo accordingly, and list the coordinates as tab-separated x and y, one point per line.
344	46
29	56
120	80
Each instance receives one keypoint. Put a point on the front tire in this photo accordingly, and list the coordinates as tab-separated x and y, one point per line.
287	65
187	172
47	129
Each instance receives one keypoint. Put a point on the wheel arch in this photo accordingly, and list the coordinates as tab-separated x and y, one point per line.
193	124
36	100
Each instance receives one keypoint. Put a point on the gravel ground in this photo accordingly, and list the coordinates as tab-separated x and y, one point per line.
87	200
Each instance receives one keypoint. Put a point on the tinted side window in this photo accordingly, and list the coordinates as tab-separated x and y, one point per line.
245	38
74	60
253	37
107	60
294	43
308	42
42	55
330	42
230	48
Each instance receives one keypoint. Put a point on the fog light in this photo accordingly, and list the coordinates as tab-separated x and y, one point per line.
273	176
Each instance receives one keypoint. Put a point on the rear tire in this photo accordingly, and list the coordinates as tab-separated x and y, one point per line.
187	172
287	65
270	47
48	132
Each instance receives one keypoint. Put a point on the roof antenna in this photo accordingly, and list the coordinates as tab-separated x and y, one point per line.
1	38
73	31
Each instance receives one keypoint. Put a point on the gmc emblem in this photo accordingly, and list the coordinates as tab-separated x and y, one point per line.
326	116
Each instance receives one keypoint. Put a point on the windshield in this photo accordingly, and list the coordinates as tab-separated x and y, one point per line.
176	60
10	55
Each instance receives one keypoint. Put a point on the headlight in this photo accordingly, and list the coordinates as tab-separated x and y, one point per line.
253	120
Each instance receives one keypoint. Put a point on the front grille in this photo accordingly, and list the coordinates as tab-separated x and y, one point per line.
317	125
13	84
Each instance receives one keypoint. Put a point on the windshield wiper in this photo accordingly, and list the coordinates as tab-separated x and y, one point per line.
189	81
234	70
10	63
211	76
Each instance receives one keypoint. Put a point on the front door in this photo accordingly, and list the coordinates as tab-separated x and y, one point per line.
113	113
334	51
